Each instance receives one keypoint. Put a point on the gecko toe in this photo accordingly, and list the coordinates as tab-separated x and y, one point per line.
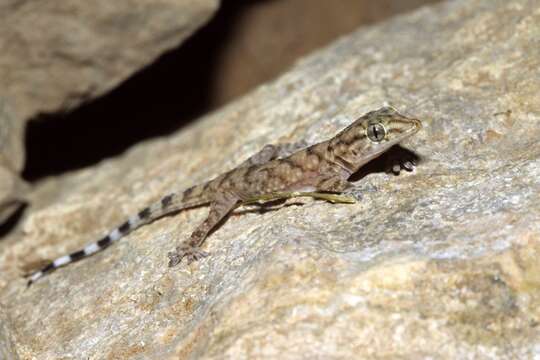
174	258
195	255
354	192
408	165
191	254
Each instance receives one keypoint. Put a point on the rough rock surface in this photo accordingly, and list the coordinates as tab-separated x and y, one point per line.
441	263
11	160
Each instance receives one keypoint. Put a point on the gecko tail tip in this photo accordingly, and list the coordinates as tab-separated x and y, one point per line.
32	278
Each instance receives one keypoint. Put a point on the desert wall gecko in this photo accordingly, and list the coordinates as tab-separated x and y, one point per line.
276	172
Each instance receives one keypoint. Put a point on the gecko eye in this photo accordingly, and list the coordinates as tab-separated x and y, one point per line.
376	132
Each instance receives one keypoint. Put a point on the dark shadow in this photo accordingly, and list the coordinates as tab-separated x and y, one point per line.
12	220
161	98
384	163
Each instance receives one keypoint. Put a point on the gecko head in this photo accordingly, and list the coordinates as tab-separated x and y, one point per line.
387	125
371	135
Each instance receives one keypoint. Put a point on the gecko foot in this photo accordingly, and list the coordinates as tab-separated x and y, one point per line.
354	192
189	252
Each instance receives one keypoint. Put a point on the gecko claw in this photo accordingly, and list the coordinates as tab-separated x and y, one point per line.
174	259
190	253
408	165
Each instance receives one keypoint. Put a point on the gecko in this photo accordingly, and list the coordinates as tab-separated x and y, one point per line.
276	172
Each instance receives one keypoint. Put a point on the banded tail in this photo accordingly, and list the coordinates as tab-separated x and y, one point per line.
169	204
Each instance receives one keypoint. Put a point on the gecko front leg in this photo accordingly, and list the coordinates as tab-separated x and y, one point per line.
338	184
333	198
191	249
333	183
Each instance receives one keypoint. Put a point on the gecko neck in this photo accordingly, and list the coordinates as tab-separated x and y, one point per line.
344	165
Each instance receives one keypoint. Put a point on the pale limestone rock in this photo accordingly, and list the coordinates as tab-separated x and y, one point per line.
11	161
11	131
7	347
441	263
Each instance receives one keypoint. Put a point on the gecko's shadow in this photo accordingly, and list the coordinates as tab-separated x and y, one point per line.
393	161
12	220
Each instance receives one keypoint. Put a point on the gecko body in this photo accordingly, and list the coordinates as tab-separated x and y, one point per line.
276	172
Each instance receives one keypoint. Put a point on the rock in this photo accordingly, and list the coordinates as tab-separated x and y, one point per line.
7	348
440	263
11	161
56	55
11	130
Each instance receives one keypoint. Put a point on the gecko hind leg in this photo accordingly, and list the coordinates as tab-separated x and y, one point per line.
327	189
333	198
191	249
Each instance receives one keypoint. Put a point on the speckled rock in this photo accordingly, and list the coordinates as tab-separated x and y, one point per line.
11	161
7	348
440	263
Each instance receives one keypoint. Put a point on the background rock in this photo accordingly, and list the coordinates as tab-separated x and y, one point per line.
11	133
11	161
7	348
440	263
56	55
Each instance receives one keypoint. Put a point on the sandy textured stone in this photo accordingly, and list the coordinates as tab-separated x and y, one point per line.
441	263
11	160
11	133
7	348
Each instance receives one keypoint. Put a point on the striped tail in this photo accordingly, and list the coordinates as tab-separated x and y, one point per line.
169	204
